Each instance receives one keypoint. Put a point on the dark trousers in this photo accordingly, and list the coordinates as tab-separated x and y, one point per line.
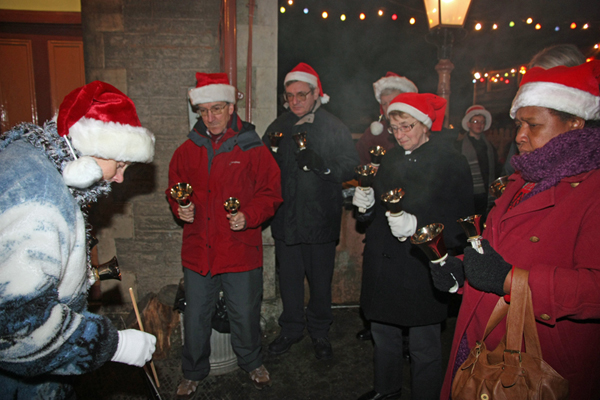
243	296
315	262
425	348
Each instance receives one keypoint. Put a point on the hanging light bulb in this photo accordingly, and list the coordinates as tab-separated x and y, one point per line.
282	10
538	26
343	17
478	26
380	13
412	21
573	25
557	28
511	24
362	16
394	17
290	2
477	75
529	21
324	15
305	11
585	26
495	26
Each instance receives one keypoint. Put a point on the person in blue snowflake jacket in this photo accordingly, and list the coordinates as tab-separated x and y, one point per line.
49	176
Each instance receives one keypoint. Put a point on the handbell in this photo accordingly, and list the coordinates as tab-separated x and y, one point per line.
472	227
181	192
274	139
392	201
497	187
108	270
232	205
364	176
431	241
377	153
300	140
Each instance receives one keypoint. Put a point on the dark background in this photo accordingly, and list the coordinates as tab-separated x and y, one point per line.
350	55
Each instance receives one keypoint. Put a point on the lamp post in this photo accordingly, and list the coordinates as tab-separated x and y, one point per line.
446	19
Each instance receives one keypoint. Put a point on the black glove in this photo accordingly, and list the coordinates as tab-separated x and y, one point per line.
447	275
487	271
311	160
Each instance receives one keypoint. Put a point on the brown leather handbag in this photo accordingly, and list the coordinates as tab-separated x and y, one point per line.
507	372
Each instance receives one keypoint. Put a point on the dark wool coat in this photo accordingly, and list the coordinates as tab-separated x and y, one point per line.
397	286
312	201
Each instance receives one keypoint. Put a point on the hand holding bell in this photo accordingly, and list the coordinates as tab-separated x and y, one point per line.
364	176
377	153
181	192
430	240
497	187
300	140
232	205
274	139
472	227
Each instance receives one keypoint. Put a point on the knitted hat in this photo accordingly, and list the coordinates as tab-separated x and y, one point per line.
102	122
305	73
573	90
212	87
391	81
427	108
477	110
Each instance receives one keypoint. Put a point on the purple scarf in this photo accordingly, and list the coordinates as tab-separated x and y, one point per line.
568	154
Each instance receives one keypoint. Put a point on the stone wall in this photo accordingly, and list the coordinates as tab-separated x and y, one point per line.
151	49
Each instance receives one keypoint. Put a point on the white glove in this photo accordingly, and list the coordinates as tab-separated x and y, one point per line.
135	347
363	198
403	225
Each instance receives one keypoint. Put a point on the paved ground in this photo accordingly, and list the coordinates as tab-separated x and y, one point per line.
296	375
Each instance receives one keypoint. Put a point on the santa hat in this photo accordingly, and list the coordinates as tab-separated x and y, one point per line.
427	108
101	121
305	73
573	90
477	110
390	81
212	87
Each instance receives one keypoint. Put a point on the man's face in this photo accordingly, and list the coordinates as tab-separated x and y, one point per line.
300	89
215	116
386	100
476	124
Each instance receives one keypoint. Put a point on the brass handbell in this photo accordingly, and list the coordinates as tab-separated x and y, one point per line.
232	205
274	139
181	192
377	153
108	270
392	201
364	176
430	240
472	227
497	187
300	140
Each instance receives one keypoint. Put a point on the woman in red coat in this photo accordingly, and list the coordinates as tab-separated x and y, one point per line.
546	222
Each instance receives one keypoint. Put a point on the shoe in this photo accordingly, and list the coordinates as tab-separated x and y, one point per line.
260	377
187	389
282	344
323	349
373	395
364	334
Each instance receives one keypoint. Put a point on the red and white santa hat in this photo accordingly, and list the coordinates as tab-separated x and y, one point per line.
305	73
390	81
427	108
573	90
212	87
102	122
477	110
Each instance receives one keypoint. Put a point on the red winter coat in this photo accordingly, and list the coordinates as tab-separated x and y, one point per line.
554	234
238	165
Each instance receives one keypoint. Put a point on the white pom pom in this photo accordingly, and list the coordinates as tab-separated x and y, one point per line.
376	128
82	173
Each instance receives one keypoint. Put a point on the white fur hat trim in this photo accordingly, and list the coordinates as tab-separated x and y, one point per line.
112	141
415	112
557	97
399	83
376	128
212	93
82	173
307	78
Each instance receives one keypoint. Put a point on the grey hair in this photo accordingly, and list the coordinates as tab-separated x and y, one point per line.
561	54
388	91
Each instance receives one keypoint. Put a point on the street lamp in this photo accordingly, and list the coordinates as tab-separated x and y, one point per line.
446	19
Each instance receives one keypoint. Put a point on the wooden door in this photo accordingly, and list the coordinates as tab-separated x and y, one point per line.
66	69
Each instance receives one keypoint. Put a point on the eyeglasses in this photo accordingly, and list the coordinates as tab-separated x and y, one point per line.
477	122
215	110
402	128
300	96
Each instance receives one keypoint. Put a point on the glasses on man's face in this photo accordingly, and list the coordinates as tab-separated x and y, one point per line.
300	96
215	110
402	128
476	121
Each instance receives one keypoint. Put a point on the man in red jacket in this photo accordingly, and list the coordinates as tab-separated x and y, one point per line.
224	157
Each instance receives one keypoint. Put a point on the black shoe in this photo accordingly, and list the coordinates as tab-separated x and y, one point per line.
373	395
283	343
364	334
323	349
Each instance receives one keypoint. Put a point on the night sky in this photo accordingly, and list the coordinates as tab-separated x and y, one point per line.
349	56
